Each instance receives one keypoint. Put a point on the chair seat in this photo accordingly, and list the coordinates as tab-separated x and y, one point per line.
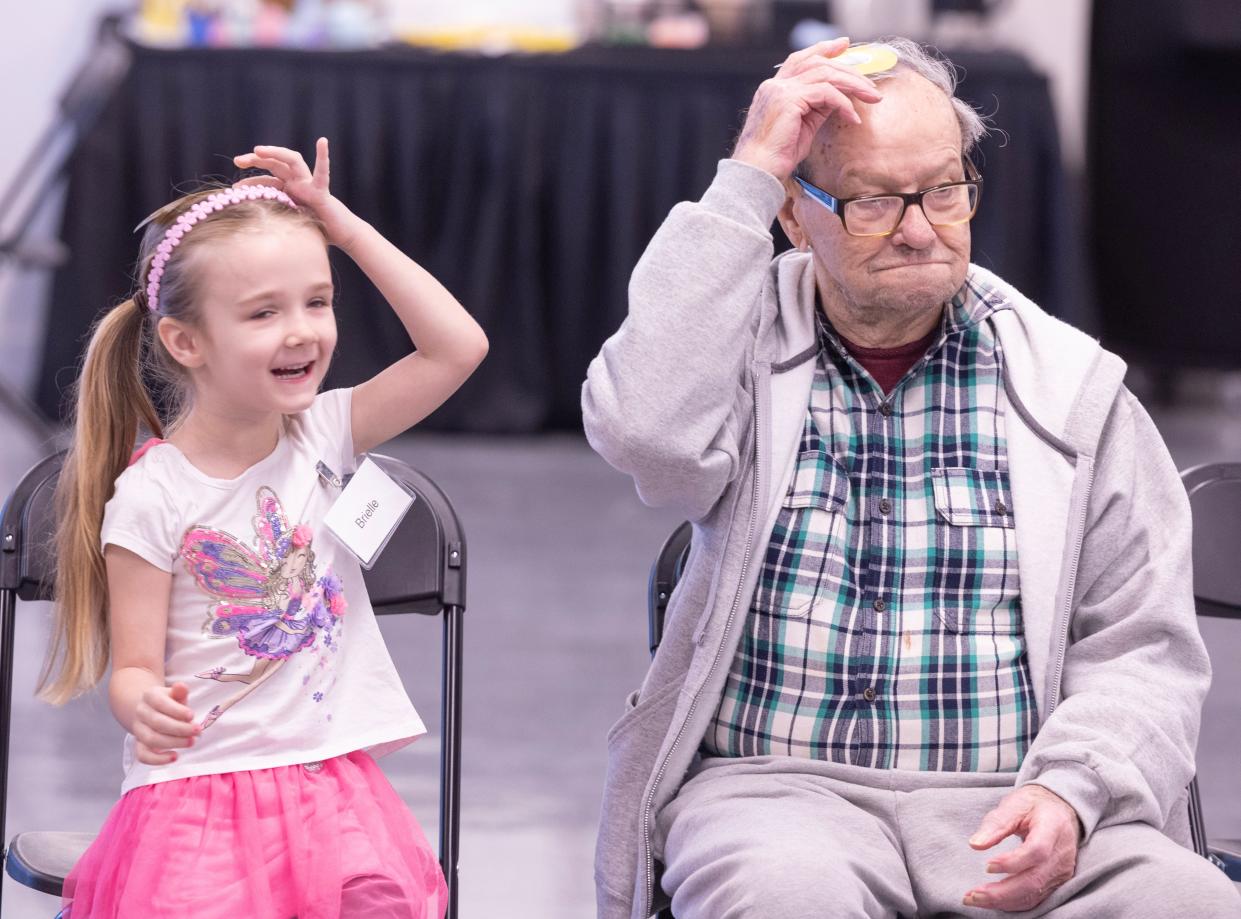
42	860
1229	852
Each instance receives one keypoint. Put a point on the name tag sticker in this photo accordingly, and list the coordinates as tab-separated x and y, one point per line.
368	512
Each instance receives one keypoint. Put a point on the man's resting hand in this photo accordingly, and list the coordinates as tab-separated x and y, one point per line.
1047	857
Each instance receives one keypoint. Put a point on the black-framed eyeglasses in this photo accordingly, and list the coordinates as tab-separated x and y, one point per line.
945	205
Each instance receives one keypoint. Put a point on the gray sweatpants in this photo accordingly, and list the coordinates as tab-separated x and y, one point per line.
781	838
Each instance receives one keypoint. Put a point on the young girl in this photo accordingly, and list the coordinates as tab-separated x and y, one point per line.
247	666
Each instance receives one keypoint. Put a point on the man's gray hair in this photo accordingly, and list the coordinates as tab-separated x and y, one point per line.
914	58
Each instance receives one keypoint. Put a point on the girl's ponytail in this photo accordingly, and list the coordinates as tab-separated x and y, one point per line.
111	402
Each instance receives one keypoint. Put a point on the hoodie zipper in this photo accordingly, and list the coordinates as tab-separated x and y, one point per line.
1053	694
732	613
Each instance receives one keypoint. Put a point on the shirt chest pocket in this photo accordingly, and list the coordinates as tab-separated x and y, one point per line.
805	557
974	579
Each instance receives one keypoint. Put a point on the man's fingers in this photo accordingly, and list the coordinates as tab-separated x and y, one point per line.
1013	894
843	78
830	48
823	98
1046	858
998	824
827	100
1036	850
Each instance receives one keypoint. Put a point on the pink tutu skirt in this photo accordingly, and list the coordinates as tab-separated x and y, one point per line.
294	841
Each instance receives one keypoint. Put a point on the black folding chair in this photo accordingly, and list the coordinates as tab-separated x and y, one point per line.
666	570
422	570
1215	500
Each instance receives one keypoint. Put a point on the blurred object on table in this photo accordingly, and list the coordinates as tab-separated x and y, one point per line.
491	40
624	22
333	24
736	22
864	20
686	24
801	23
679	30
963	23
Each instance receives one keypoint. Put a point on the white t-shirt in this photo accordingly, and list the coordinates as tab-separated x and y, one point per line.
268	611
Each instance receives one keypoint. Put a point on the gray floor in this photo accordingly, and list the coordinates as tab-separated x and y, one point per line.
555	631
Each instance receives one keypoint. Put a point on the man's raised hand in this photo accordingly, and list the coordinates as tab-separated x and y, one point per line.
789	108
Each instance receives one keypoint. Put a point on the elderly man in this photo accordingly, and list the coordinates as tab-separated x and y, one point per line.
939	590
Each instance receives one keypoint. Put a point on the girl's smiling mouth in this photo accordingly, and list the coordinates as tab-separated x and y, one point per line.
294	372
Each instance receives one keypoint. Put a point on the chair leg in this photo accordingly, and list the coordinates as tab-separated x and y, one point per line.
450	754
1197	826
8	610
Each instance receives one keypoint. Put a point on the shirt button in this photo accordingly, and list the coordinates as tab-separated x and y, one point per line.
885	409
869	694
1001	508
885	506
879	606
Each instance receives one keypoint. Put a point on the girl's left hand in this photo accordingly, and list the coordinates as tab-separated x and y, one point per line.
290	173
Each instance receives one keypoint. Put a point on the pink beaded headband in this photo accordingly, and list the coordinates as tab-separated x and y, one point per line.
199	211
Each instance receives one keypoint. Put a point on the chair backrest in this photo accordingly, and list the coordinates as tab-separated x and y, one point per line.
27	559
1215	500
665	572
28	571
406	577
1214	491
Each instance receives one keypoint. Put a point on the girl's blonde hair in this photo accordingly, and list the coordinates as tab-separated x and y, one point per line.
129	382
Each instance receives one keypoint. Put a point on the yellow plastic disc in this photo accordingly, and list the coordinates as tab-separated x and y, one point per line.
868	59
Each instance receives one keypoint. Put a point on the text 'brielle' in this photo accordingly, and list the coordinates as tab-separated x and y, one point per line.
367	513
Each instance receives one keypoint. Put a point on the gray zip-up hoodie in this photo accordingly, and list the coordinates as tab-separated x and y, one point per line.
700	397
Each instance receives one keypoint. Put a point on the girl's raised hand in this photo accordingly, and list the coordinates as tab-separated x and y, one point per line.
308	188
163	723
448	343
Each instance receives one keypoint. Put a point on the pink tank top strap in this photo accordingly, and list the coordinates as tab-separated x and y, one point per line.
141	451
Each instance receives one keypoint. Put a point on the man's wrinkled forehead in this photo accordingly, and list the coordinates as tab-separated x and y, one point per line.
913	111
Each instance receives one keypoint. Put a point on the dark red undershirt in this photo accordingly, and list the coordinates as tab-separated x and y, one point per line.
888	365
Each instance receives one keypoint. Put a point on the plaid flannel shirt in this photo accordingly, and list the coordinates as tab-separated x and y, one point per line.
886	627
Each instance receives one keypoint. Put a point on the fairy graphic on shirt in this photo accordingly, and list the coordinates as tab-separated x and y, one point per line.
269	599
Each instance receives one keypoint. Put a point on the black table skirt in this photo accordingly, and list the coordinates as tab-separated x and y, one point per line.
528	185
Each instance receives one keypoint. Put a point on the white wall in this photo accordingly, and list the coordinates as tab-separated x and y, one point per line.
41	46
1055	35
